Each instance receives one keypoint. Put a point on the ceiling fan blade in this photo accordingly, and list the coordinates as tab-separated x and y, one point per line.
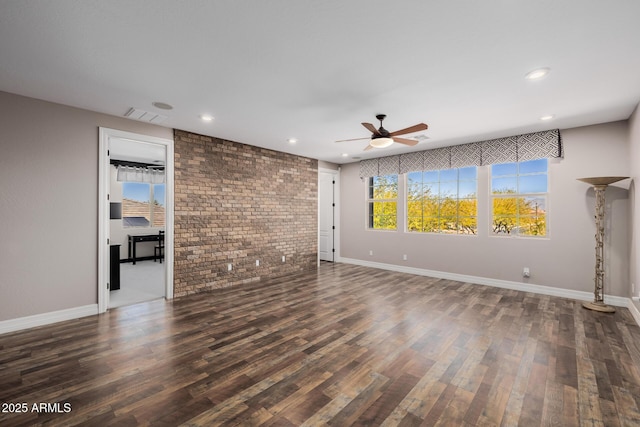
354	139
405	141
368	147
414	128
371	128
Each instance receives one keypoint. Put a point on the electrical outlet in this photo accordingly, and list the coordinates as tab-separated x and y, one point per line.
229	267
526	272
370	253
404	257
283	258
257	263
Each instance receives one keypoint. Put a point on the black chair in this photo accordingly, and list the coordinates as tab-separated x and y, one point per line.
158	251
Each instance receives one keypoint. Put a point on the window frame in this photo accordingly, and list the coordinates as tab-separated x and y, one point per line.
151	202
518	196
371	200
439	200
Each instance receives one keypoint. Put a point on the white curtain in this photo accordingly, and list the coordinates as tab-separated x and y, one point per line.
136	174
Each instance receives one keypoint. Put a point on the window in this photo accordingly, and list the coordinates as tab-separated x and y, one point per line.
143	204
519	198
382	198
443	201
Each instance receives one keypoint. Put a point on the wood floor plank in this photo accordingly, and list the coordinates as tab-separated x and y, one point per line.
344	345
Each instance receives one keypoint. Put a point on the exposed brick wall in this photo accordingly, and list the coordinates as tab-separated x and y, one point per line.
235	203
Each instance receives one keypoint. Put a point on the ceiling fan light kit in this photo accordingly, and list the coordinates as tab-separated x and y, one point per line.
381	138
381	142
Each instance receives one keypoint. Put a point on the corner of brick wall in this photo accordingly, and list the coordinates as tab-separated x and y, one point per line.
235	204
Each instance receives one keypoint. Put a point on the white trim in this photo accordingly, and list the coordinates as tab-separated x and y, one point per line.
506	284
27	322
103	223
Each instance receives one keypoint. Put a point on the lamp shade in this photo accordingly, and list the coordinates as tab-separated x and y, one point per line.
602	180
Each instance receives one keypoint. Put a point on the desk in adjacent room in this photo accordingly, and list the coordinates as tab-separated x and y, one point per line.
133	240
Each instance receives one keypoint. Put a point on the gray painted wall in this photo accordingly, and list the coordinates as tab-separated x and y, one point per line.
563	260
49	203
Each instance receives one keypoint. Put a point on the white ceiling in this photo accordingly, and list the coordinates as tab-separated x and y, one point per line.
313	70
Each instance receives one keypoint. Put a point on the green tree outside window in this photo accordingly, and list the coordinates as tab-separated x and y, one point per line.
519	196
443	201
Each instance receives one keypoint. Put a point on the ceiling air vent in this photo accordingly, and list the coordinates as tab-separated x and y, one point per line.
145	116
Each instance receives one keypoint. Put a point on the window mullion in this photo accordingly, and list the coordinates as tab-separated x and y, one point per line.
151	207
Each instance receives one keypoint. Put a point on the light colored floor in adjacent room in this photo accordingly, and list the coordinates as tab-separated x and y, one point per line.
144	281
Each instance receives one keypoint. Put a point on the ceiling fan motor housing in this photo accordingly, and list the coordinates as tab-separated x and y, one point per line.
383	133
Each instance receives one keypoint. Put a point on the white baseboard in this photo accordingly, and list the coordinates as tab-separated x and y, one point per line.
506	284
20	323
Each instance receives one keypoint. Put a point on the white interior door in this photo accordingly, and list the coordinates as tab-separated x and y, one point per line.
326	210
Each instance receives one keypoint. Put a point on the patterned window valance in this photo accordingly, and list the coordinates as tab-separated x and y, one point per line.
388	165
438	158
502	150
369	168
412	162
519	148
466	155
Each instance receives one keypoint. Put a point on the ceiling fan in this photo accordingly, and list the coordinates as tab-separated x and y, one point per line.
381	138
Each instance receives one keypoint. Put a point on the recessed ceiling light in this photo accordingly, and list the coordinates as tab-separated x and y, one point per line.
162	105
292	140
345	154
206	117
547	117
537	74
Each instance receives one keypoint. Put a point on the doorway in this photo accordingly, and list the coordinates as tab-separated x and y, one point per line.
136	221
328	214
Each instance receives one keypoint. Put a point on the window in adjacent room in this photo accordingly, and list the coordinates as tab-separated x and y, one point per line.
519	198
143	205
382	195
443	201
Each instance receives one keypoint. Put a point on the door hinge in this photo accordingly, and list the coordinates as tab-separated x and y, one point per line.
107	241
333	227
333	250
108	286
108	197
333	205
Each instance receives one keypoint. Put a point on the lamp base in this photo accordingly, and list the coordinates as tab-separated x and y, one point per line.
598	306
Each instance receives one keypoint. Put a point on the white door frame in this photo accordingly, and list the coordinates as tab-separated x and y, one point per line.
103	210
336	212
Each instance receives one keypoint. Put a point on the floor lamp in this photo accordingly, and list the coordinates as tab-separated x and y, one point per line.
599	186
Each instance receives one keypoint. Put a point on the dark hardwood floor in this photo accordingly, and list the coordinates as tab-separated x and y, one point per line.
345	345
